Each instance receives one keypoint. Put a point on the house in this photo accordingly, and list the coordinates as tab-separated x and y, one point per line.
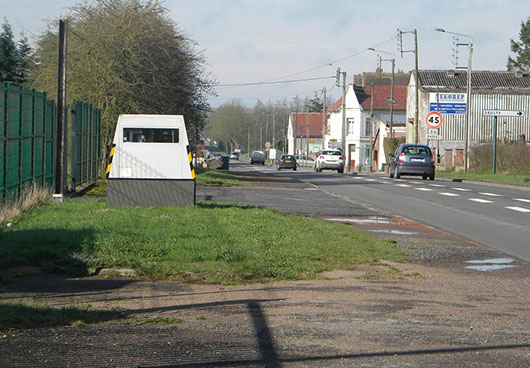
445	91
368	119
304	133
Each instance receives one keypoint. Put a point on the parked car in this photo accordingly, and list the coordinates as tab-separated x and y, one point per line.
234	156
287	162
257	157
305	161
215	156
330	160
412	159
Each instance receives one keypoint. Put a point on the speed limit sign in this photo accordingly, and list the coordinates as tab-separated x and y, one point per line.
434	120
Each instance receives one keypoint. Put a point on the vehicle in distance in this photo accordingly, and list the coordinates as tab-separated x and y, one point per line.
330	160
234	156
412	159
215	156
304	161
287	162
257	157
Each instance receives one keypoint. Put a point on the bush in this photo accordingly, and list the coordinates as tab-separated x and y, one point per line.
512	158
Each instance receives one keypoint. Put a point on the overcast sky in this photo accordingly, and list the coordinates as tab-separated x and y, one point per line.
246	41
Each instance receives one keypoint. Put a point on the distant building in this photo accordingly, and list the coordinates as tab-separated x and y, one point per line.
445	91
304	133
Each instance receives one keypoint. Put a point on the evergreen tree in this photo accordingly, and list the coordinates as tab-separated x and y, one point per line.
521	49
8	54
25	62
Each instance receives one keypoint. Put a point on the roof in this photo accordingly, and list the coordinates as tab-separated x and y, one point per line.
299	121
336	105
381	96
481	81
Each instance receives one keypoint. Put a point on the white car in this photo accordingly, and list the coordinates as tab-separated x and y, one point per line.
330	160
304	161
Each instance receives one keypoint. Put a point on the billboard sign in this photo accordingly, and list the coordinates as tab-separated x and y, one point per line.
448	102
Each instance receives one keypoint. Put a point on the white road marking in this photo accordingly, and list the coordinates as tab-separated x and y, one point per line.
403	185
437	185
425	189
522	200
491	194
370	180
480	200
358	177
519	209
416	182
463	189
450	194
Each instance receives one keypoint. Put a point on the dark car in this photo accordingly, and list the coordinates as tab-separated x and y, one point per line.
287	162
412	159
257	157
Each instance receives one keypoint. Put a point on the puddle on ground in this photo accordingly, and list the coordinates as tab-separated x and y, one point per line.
369	220
493	261
395	232
490	267
493	264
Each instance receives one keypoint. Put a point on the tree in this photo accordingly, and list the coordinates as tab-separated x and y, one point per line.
8	54
522	49
127	56
231	124
25	62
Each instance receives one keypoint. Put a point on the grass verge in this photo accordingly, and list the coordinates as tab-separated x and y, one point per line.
521	180
30	199
208	243
209	177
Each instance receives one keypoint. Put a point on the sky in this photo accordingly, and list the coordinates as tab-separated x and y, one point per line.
250	41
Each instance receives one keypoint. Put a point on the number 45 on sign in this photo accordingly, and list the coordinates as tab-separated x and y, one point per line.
434	120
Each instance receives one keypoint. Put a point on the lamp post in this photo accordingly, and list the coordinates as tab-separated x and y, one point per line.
393	60
468	99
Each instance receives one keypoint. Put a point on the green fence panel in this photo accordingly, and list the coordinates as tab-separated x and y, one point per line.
49	145
27	128
39	138
3	140
14	140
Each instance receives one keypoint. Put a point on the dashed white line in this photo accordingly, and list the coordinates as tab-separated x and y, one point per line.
416	182
491	194
450	194
463	189
522	200
437	185
519	209
425	189
480	200
403	185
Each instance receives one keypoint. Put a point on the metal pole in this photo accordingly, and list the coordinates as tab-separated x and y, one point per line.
392	101
372	126
344	127
468	108
307	131
324	113
61	100
417	111
495	145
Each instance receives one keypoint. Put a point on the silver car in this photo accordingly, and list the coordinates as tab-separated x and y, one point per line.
412	159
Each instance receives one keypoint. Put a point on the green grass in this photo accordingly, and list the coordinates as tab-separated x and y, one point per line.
208	243
521	180
27	315
209	177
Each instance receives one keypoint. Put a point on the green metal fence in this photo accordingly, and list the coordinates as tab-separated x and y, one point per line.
27	142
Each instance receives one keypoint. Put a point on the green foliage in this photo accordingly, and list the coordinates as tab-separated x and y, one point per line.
512	158
390	145
208	243
8	54
521	49
208	177
127	56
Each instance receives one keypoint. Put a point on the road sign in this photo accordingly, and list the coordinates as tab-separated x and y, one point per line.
433	136
267	145
512	113
434	120
448	103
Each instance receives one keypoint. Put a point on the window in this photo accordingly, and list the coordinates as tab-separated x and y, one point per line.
151	135
349	125
368	127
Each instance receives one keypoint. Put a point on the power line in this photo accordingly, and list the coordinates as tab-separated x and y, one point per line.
276	82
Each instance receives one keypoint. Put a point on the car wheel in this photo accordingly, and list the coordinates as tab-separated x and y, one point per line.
279	168
431	176
424	177
396	173
390	173
340	171
294	168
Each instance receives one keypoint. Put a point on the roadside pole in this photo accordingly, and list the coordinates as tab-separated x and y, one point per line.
61	102
495	145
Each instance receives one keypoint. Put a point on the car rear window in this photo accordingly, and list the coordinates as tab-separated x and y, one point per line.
333	153
417	150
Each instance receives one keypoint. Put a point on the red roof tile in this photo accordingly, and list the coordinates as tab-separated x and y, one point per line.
336	105
300	123
380	94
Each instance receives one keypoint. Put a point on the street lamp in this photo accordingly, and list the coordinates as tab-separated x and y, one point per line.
468	99
393	60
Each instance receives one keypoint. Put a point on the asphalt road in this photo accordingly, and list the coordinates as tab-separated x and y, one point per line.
494	216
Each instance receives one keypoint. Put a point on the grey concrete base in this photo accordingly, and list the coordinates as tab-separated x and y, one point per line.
150	192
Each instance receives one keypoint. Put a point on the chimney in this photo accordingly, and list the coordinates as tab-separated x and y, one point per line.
451	73
518	74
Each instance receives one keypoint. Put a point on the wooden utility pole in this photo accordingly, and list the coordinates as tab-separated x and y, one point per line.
324	115
372	125
61	102
344	127
307	131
